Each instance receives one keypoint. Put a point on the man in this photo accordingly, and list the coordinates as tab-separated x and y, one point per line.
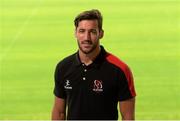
90	83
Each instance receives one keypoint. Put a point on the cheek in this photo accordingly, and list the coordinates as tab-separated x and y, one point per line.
79	36
94	37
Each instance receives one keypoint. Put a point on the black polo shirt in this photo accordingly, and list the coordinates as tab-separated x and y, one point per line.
93	91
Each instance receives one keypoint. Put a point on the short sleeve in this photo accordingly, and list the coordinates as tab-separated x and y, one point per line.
59	83
126	88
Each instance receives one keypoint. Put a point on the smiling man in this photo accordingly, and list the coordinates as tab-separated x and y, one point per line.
90	83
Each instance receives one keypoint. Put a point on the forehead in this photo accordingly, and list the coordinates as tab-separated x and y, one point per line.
88	24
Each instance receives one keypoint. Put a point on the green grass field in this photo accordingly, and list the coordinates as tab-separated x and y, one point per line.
36	34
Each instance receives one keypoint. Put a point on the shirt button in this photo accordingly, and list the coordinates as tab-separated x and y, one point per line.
83	64
85	70
84	78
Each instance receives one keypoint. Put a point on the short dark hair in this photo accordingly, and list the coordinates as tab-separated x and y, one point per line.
93	14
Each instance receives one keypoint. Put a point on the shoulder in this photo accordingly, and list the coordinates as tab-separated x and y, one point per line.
123	67
67	61
118	63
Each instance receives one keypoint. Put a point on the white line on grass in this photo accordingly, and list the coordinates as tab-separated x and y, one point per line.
20	31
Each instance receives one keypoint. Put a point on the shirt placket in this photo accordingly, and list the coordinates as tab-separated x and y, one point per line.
84	76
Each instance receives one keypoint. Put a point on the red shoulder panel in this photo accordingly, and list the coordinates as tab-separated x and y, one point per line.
117	62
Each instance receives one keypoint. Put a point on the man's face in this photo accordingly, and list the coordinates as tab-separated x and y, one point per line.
88	35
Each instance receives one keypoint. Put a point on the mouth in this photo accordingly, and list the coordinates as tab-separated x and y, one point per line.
86	43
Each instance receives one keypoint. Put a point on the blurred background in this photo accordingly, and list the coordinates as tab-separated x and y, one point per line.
36	34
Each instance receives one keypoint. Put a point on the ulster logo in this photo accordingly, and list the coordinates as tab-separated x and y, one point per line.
98	86
67	85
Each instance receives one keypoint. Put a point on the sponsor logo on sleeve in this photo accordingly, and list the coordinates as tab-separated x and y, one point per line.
67	85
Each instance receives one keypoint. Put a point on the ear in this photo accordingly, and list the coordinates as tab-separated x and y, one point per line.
75	31
101	34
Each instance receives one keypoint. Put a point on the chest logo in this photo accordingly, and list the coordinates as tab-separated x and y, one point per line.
67	85
97	86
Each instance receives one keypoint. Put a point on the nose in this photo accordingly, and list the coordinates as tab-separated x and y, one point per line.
87	36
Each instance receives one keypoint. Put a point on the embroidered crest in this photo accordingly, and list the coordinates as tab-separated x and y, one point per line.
97	86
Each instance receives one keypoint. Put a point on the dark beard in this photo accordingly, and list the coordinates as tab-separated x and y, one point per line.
91	50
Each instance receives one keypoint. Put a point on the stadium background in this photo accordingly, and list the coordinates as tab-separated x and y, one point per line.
36	34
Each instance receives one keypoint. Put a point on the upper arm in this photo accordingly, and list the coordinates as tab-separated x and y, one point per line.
127	109
59	109
60	104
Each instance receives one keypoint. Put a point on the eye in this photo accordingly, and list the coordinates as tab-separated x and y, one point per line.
81	31
94	31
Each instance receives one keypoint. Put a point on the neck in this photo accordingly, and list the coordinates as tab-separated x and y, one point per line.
87	59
